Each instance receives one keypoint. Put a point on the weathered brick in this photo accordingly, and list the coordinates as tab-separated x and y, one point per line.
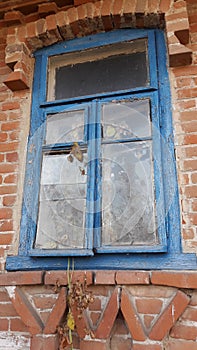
21	278
4	324
104	277
108	317
176	279
44	343
181	345
133	322
57	313
25	310
186	332
169	316
93	345
132	277
149	306
52	277
147	347
17	325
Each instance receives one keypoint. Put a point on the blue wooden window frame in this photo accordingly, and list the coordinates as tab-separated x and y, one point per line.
168	254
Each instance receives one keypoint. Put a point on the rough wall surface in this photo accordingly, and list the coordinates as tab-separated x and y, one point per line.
137	310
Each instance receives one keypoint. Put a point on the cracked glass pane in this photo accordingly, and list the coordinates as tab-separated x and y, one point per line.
128	210
62	202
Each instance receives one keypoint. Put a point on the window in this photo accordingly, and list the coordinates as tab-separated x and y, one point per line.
100	176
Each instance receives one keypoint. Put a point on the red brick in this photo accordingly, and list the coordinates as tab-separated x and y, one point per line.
12	146
187	93
165	5
151	291
42	343
189	127
4	296
12	157
5	239
190	164
184	279
186	105
131	318
149	306
6	226
4	324
10	105
190	139
7	168
14	136
3	137
193	218
169	316
148	321
31	29
57	313
190	314
104	277
184	332
181	345
21	278
188	234
25	310
5	213
8	189
12	178
194	206
44	302
132	277
96	305
147	347
72	18
17	325
121	327
95	317
45	9
191	151
52	277
9	200
108	317
7	310
93	345
129	6
141	6
119	343
191	191
16	81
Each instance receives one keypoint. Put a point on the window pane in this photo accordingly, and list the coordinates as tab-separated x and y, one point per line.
65	127
109	68
128	213
61	220
125	120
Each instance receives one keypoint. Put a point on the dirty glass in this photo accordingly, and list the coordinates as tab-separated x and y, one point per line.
65	127
128	212
62	202
126	119
121	66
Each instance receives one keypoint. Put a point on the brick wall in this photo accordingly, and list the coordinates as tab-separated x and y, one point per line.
131	309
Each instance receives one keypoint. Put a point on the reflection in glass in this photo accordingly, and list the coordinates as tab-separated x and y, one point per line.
61	220
126	119
65	127
128	213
